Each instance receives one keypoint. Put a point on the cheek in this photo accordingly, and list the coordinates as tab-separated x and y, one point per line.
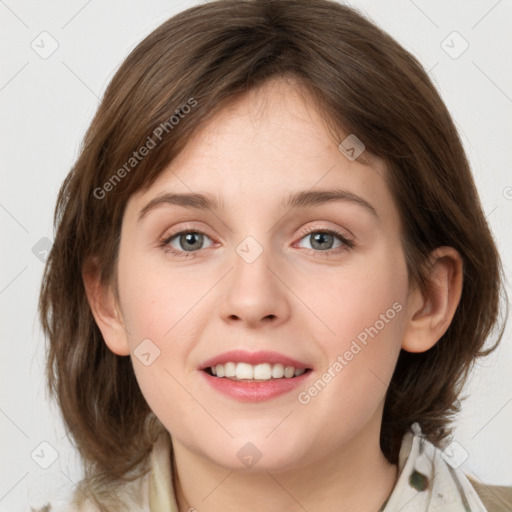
164	311
155	304
161	321
368	292
362	320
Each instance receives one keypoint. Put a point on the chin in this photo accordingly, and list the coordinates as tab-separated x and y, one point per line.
258	456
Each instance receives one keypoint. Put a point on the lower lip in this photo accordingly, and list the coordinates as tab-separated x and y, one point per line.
245	391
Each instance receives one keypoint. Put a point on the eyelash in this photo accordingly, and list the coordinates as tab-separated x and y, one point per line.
348	244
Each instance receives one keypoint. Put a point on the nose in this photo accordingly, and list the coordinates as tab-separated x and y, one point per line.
255	293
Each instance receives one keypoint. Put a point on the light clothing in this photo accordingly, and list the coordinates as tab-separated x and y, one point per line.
426	482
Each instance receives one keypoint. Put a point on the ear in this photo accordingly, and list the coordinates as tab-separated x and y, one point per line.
431	313
105	309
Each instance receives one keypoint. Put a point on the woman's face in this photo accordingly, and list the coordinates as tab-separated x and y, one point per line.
265	273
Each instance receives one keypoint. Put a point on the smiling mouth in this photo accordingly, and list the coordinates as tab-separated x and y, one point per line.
254	373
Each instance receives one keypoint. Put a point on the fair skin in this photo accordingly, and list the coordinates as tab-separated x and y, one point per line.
291	299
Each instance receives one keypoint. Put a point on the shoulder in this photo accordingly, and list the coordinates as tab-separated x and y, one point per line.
431	475
496	498
152	482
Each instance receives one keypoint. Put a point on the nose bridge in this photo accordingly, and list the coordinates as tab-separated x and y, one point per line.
253	291
251	265
250	249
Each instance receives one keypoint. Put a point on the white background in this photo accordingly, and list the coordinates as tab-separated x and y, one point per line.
47	105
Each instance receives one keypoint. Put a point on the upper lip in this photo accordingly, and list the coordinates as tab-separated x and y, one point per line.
263	356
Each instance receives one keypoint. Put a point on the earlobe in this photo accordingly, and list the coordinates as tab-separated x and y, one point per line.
105	309
431	312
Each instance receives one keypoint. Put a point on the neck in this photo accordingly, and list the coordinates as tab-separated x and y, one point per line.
354	477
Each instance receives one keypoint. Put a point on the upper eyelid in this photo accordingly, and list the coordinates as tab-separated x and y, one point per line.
306	230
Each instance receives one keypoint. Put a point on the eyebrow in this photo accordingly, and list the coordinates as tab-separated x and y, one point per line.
299	199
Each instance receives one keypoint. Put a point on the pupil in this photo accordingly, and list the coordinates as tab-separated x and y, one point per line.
189	237
320	239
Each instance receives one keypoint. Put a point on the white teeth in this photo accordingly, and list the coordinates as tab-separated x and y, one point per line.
261	372
243	371
278	371
289	371
230	370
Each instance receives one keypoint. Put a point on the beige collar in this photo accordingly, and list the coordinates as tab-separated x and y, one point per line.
161	492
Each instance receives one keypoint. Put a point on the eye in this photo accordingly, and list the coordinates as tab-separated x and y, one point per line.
185	243
324	241
189	242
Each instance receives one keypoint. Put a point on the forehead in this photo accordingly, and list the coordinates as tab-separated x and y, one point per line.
262	148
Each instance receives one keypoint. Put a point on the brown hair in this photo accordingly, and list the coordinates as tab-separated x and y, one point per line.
363	82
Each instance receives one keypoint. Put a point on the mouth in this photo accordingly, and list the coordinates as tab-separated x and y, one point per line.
246	372
254	376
